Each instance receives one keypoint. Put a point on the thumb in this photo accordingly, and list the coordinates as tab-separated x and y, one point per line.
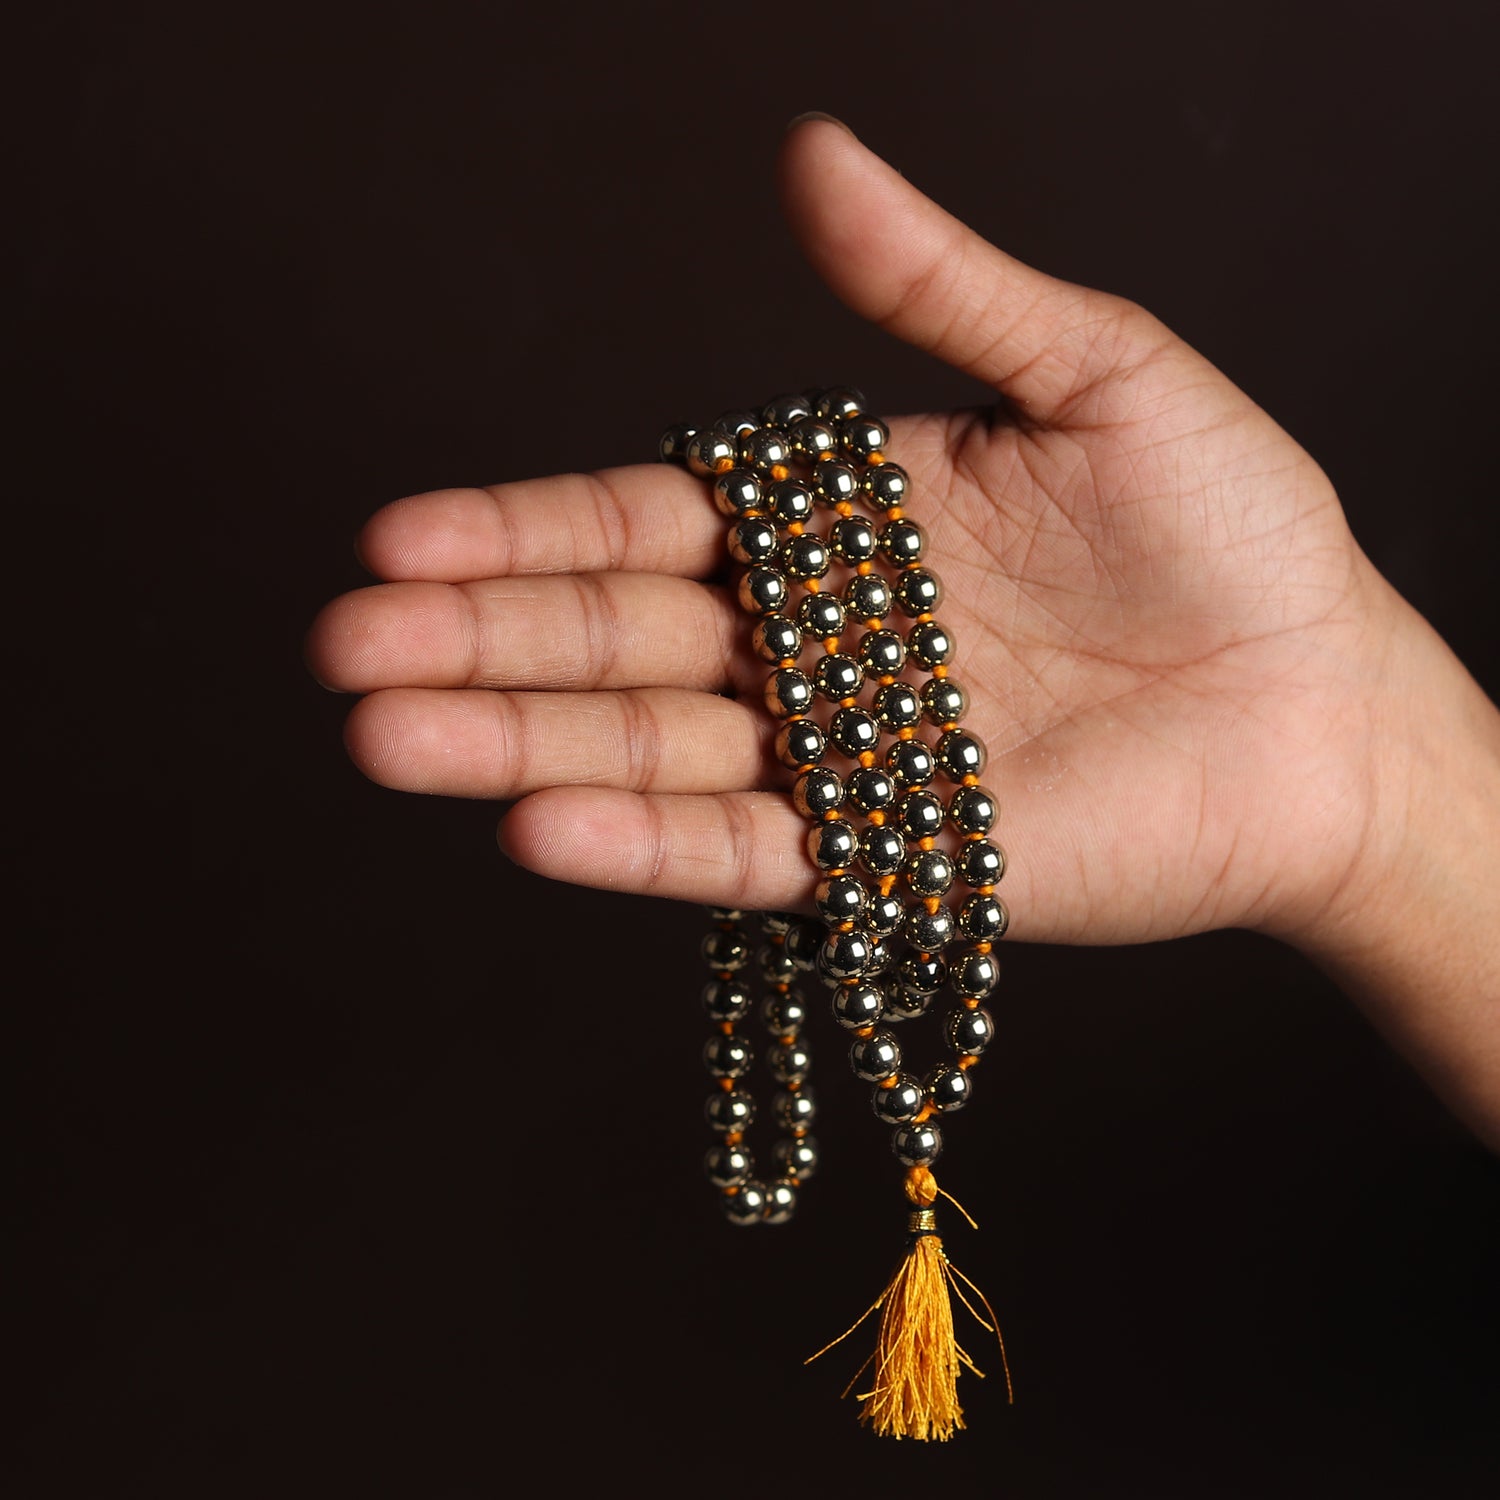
911	268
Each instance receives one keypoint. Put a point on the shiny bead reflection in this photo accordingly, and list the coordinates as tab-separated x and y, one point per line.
729	1111
728	1166
789	1062
727	1056
746	1206
781	1201
832	845
970	1031
973	809
875	1056
898	1101
948	1087
858	1004
777	638
795	1156
917	1144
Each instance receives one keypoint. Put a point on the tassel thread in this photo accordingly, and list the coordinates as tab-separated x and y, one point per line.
917	1358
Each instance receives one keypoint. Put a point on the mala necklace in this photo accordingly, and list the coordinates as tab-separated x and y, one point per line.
901	919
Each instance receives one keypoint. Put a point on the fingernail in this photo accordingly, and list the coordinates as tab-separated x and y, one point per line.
816	114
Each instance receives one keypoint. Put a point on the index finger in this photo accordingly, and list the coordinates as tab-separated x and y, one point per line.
652	518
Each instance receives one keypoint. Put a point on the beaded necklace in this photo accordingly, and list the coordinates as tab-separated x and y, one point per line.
901	919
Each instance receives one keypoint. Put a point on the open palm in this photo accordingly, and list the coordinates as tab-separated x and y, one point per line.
1166	630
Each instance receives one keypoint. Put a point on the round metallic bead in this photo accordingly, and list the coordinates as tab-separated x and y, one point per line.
737	492
833	483
728	1110
982	918
929	872
882	653
781	1201
728	1166
887	486
973	809
775	964
806	556
943	701
922	977
920	814
898	1100
970	1031
837	676
783	1013
799	743
960	754
910	763
929	644
747	1206
765	450
839	402
789	691
928	931
918	591
897	707
821	615
728	1056
794	1109
851	539
832	845
906	1005
881	849
782	411
789	1062
975	974
841	898
884	913
738	422
763	590
981	863
901	542
789	500
795	1156
710	452
813	439
948	1087
867	596
845	955
870	789
725	1000
803	942
861	436
817	791
753	540
875	1056
725	950
777	638
881	958
852	732
671	446
858	1003
917	1144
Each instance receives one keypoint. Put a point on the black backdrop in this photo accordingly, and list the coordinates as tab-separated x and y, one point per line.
332	1177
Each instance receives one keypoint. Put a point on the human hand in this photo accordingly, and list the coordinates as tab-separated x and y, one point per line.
1199	697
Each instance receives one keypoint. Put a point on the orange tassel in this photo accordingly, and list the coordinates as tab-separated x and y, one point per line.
917	1356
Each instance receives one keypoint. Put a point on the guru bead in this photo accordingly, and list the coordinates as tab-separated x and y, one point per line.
917	1144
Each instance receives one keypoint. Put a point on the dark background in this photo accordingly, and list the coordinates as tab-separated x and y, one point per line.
352	1160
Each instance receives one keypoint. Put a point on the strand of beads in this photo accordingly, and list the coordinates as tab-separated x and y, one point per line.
895	928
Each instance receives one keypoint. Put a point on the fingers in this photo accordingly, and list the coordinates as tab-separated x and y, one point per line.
904	263
595	630
748	849
506	745
649	518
